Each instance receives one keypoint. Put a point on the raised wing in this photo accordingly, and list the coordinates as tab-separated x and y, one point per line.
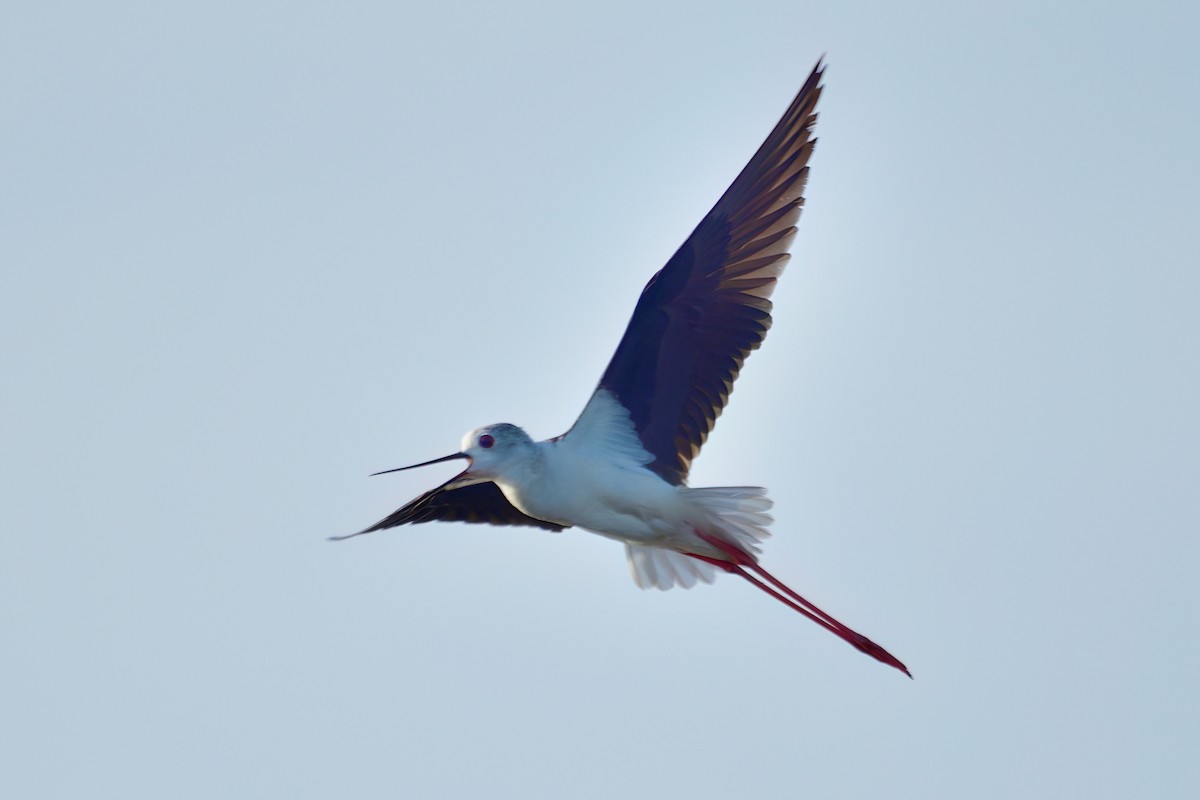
476	502
701	315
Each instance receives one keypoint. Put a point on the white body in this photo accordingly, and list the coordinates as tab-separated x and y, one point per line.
595	477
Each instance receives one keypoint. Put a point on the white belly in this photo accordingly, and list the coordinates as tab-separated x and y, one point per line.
630	504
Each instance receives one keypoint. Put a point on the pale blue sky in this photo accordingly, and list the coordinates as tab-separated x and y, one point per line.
252	252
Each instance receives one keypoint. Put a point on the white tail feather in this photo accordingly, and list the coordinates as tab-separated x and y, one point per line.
737	514
654	567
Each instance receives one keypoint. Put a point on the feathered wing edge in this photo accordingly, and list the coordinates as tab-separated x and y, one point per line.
702	314
475	502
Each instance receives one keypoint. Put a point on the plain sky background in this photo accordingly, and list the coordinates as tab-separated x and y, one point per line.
252	252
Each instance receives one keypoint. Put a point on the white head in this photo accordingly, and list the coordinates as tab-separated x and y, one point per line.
493	451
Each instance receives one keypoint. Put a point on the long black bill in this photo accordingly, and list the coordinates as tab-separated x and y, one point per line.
450	457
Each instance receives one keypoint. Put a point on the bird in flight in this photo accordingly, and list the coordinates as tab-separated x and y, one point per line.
621	470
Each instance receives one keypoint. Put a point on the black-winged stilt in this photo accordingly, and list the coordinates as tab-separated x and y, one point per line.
621	470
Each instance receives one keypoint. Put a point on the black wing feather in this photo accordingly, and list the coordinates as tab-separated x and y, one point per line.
703	313
476	502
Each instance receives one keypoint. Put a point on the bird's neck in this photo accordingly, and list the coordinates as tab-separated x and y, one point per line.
525	469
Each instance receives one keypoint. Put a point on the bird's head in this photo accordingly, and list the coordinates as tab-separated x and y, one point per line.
492	451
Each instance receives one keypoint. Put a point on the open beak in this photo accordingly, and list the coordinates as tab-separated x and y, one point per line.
450	457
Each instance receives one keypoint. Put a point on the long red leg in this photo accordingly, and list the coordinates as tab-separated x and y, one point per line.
737	570
740	561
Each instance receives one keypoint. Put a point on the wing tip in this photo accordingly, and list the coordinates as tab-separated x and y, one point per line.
346	536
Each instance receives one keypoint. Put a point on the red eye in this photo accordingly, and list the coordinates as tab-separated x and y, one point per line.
486	441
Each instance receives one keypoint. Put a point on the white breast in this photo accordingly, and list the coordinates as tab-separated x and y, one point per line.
623	501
